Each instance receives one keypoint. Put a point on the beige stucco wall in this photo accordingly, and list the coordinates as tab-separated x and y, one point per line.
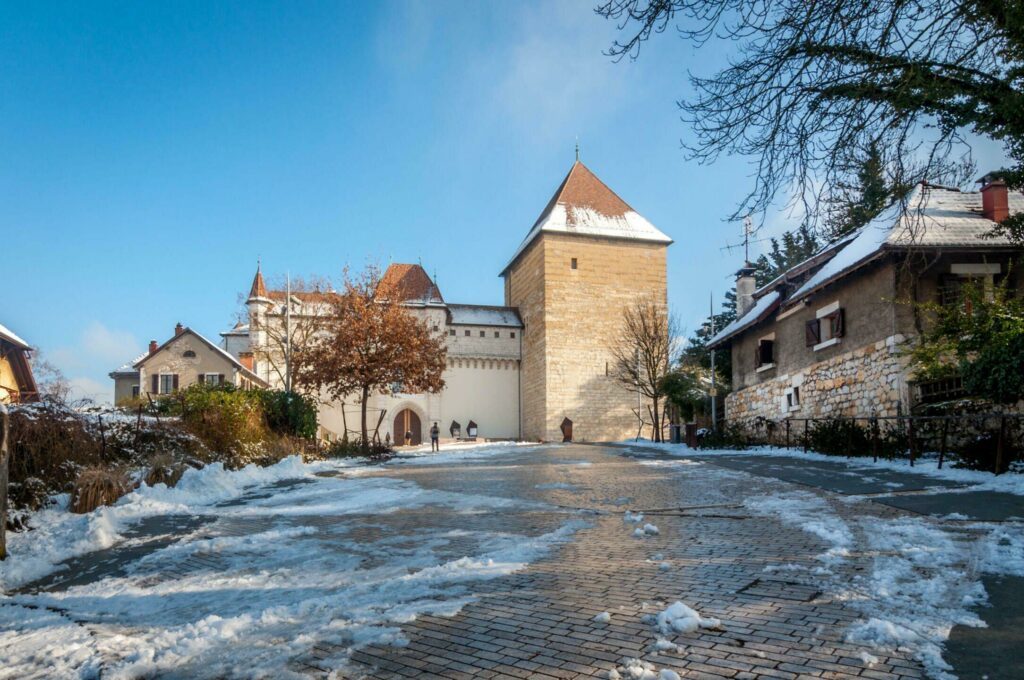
8	383
572	316
485	391
170	360
123	388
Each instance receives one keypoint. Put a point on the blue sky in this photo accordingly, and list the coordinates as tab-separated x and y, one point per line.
152	151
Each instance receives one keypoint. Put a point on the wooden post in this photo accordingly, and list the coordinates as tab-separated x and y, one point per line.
1001	445
910	438
4	458
788	423
942	444
874	438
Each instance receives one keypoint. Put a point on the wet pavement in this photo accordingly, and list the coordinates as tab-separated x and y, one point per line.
779	617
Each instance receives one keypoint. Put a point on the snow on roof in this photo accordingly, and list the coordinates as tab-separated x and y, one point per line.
215	347
8	335
240	329
764	306
930	216
583	204
483	315
129	368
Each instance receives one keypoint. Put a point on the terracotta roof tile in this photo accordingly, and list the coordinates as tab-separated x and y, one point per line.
411	282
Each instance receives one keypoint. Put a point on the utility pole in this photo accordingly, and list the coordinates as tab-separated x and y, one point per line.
288	333
714	388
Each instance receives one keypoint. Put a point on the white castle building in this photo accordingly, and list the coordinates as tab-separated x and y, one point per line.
535	368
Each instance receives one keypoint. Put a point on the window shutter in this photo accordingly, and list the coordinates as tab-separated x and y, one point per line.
838	323
220	379
812	332
757	356
175	386
155	383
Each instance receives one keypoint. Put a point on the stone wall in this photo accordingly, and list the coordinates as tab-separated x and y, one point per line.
572	316
868	381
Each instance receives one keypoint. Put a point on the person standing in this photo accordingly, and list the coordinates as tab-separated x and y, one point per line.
435	434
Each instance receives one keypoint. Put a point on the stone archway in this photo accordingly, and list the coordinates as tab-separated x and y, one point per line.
407	420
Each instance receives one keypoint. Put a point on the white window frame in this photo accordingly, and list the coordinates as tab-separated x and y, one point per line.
215	376
160	383
824	328
766	367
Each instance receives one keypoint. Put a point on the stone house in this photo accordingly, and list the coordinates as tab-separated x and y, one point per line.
521	370
826	338
185	359
17	384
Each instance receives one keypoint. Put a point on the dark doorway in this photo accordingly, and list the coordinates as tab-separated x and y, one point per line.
566	430
407	421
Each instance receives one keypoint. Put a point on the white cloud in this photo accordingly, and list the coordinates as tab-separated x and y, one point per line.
87	363
110	346
83	387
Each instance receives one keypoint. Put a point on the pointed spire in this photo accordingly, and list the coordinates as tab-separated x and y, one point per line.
259	288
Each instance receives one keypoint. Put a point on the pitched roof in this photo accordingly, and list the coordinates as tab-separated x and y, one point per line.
259	288
8	335
756	314
215	347
928	217
410	282
584	205
484	315
129	368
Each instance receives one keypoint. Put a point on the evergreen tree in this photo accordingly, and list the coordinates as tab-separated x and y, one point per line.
854	204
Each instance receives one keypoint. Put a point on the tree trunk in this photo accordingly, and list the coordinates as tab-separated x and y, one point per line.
4	456
657	421
364	442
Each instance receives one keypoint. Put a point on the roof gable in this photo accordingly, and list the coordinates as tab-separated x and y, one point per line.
586	206
409	282
223	353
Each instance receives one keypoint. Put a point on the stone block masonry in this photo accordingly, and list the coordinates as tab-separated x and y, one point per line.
864	382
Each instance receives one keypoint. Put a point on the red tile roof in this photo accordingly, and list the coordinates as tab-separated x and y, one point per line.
411	282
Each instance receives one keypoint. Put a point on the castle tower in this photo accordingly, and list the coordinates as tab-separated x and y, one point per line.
258	305
587	258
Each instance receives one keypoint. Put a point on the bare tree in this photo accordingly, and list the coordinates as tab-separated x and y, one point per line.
50	380
291	324
642	353
369	343
813	84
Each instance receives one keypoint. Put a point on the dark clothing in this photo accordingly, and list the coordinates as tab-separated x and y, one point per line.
435	433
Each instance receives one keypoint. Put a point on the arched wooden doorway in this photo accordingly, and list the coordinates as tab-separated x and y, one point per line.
407	421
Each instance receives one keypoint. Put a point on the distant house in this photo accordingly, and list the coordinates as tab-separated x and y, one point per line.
16	381
185	359
825	337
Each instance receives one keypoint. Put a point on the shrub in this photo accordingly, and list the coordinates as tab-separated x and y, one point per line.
98	486
164	470
726	437
844	437
288	413
349	448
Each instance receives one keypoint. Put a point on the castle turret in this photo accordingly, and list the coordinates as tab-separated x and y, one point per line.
258	306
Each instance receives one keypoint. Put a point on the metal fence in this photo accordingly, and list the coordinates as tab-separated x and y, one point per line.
917	433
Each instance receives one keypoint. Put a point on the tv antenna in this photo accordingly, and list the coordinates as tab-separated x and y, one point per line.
748	231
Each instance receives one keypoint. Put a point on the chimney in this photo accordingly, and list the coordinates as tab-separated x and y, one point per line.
152	346
178	329
995	198
745	287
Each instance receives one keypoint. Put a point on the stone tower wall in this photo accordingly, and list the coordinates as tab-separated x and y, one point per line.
571	317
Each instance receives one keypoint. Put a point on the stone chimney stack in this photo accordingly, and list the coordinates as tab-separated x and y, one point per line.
178	329
995	198
745	286
152	346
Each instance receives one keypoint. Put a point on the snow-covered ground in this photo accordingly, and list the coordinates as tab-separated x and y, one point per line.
927	466
273	570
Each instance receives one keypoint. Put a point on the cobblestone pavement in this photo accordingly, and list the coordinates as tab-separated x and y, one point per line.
710	552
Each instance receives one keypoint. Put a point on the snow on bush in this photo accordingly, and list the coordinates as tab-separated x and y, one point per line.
680	618
646	530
